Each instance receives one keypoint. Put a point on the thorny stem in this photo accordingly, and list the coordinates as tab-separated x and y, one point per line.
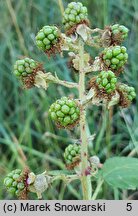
85	179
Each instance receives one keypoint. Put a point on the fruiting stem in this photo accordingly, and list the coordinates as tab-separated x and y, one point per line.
85	178
67	84
43	79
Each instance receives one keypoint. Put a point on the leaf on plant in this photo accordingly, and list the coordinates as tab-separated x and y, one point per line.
121	172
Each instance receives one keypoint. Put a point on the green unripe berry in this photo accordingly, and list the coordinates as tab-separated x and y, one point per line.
40	36
53	115
120	57
47	30
74	116
109	54
116	51
20	185
47	37
8	182
72	152
72	110
65	112
51	37
106	80
127	94
65	109
46	41
57	107
24	67
60	114
12	190
115	57
119	32
115	61
13	183
16	176
75	13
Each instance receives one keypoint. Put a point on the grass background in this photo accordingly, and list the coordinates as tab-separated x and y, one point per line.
24	121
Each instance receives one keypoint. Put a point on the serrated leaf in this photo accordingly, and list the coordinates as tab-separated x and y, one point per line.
121	172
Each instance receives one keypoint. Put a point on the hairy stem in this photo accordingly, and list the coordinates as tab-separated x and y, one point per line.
68	84
43	79
85	179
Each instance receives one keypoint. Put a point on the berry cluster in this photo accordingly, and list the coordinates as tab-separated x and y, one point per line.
24	67
74	14
128	92
106	80
119	32
47	38
65	112
115	57
72	152
12	183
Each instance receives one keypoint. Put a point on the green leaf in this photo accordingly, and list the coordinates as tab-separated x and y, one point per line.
121	172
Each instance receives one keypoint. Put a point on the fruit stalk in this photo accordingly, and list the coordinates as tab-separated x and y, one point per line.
85	178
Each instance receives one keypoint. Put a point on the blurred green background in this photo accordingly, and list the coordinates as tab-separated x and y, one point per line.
24	122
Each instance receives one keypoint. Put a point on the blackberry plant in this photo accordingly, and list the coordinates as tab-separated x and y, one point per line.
103	88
